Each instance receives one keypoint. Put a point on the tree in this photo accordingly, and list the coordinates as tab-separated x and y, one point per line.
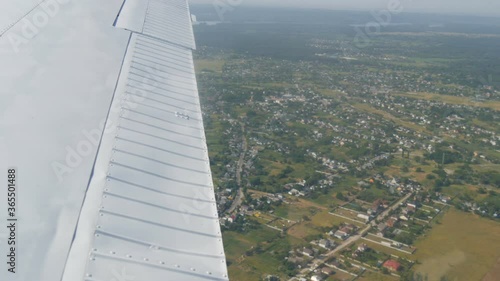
340	196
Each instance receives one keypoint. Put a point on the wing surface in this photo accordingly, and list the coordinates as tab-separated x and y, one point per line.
119	174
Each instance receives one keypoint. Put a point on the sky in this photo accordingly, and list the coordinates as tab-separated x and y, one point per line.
469	7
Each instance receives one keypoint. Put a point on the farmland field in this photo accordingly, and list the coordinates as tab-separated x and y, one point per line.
462	247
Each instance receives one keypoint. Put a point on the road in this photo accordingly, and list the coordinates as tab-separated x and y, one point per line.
238	200
384	214
319	261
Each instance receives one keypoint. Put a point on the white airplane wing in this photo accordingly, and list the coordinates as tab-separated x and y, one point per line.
100	115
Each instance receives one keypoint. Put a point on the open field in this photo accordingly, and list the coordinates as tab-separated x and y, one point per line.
302	230
235	244
463	247
252	267
324	219
385	249
452	99
387	115
339	275
212	65
280	223
249	268
293	212
494	273
375	276
352	215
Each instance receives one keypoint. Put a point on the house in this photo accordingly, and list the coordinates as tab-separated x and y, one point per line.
376	205
295	260
391	222
245	208
381	227
410	209
344	232
362	247
317	278
307	252
445	199
392	265
341	235
364	217
348	229
328	271
335	263
325	243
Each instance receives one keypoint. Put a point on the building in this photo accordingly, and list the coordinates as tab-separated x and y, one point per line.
392	265
376	205
341	235
328	271
381	227
308	252
362	248
317	278
364	217
325	243
391	222
410	209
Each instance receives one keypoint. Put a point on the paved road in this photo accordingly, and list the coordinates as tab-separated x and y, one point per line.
345	244
238	200
392	208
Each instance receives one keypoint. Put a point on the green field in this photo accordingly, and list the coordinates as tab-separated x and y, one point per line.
208	64
241	267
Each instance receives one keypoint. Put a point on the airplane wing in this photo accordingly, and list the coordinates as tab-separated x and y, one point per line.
101	118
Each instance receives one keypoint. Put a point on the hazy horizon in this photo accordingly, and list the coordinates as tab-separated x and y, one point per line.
478	8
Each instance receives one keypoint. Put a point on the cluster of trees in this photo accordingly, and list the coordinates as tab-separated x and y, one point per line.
443	156
490	177
242	225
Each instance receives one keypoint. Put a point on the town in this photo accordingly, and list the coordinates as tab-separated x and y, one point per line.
328	170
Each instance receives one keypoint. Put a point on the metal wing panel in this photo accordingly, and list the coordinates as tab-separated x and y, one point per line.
14	11
168	20
128	18
150	207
